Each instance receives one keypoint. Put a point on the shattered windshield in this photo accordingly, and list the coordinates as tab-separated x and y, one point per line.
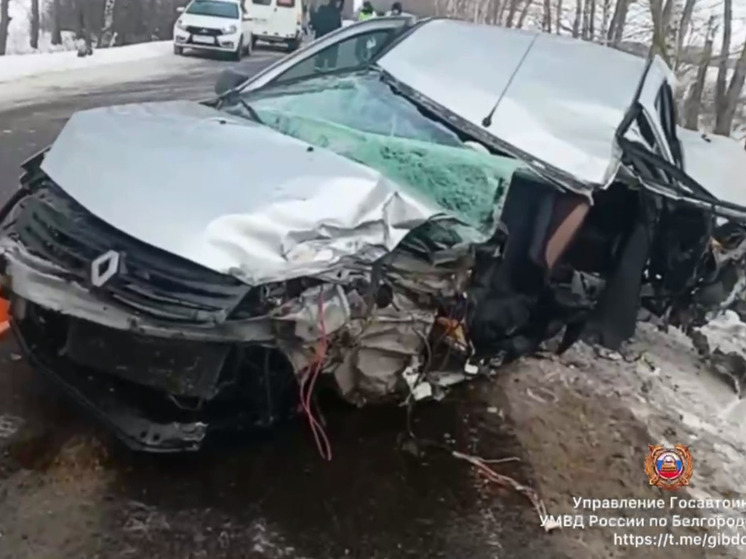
360	117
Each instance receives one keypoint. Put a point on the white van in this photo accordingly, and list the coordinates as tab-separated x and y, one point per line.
277	21
220	25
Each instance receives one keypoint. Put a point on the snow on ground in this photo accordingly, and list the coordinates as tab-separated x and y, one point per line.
14	67
680	399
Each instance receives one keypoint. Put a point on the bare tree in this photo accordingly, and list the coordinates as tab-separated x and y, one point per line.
106	36
578	15
558	16
724	119
720	84
684	24
605	13
618	22
56	23
4	24
661	20
584	33
513	7
34	35
693	103
524	13
546	23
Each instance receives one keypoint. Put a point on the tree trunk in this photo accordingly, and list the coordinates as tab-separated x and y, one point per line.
558	16
56	25
693	103
618	22
107	32
724	125
34	35
584	28
605	13
547	21
511	13
720	102
524	13
592	21
84	31
4	24
578	16
661	17
684	23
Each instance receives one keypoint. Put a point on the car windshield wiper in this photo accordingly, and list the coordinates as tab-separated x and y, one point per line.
235	98
249	109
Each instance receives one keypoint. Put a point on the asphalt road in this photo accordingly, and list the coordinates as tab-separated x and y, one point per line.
34	110
66	493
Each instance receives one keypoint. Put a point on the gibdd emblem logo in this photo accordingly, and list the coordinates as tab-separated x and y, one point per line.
669	468
104	268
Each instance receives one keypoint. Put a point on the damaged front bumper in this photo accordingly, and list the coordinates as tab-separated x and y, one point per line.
164	353
159	389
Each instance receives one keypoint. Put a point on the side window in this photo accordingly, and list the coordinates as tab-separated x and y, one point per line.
261	2
344	56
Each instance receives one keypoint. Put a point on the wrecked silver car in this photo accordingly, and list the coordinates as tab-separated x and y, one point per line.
180	268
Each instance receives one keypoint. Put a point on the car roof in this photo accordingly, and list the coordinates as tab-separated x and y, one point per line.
557	98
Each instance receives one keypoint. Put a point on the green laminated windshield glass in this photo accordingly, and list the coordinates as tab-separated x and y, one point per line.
361	118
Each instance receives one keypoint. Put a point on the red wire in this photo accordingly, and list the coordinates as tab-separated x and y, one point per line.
308	383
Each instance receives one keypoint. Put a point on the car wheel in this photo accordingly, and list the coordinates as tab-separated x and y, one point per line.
178	50
253	43
239	51
293	45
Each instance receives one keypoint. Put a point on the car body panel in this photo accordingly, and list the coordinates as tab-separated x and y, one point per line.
250	202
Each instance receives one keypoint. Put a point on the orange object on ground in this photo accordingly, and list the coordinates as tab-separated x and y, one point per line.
4	316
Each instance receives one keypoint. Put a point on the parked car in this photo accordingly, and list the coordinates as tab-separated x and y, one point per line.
214	25
183	267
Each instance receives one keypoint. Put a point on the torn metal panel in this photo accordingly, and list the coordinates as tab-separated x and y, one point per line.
252	203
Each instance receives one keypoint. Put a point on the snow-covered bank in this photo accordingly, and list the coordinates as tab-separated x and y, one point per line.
20	66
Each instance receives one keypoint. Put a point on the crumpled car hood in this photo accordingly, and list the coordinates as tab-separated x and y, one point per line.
228	194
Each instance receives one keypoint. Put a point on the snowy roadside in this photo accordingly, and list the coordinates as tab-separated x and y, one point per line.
15	67
590	411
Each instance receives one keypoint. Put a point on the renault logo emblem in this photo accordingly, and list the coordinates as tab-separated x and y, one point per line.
104	268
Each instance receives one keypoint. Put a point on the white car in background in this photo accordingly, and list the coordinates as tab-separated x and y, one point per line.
217	25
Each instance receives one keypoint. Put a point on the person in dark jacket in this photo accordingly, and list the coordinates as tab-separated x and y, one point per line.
396	9
327	18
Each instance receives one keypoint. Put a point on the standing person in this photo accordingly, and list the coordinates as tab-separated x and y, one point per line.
366	12
396	9
327	18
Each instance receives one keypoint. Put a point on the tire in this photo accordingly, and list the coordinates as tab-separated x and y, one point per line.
178	51
236	56
253	43
293	45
